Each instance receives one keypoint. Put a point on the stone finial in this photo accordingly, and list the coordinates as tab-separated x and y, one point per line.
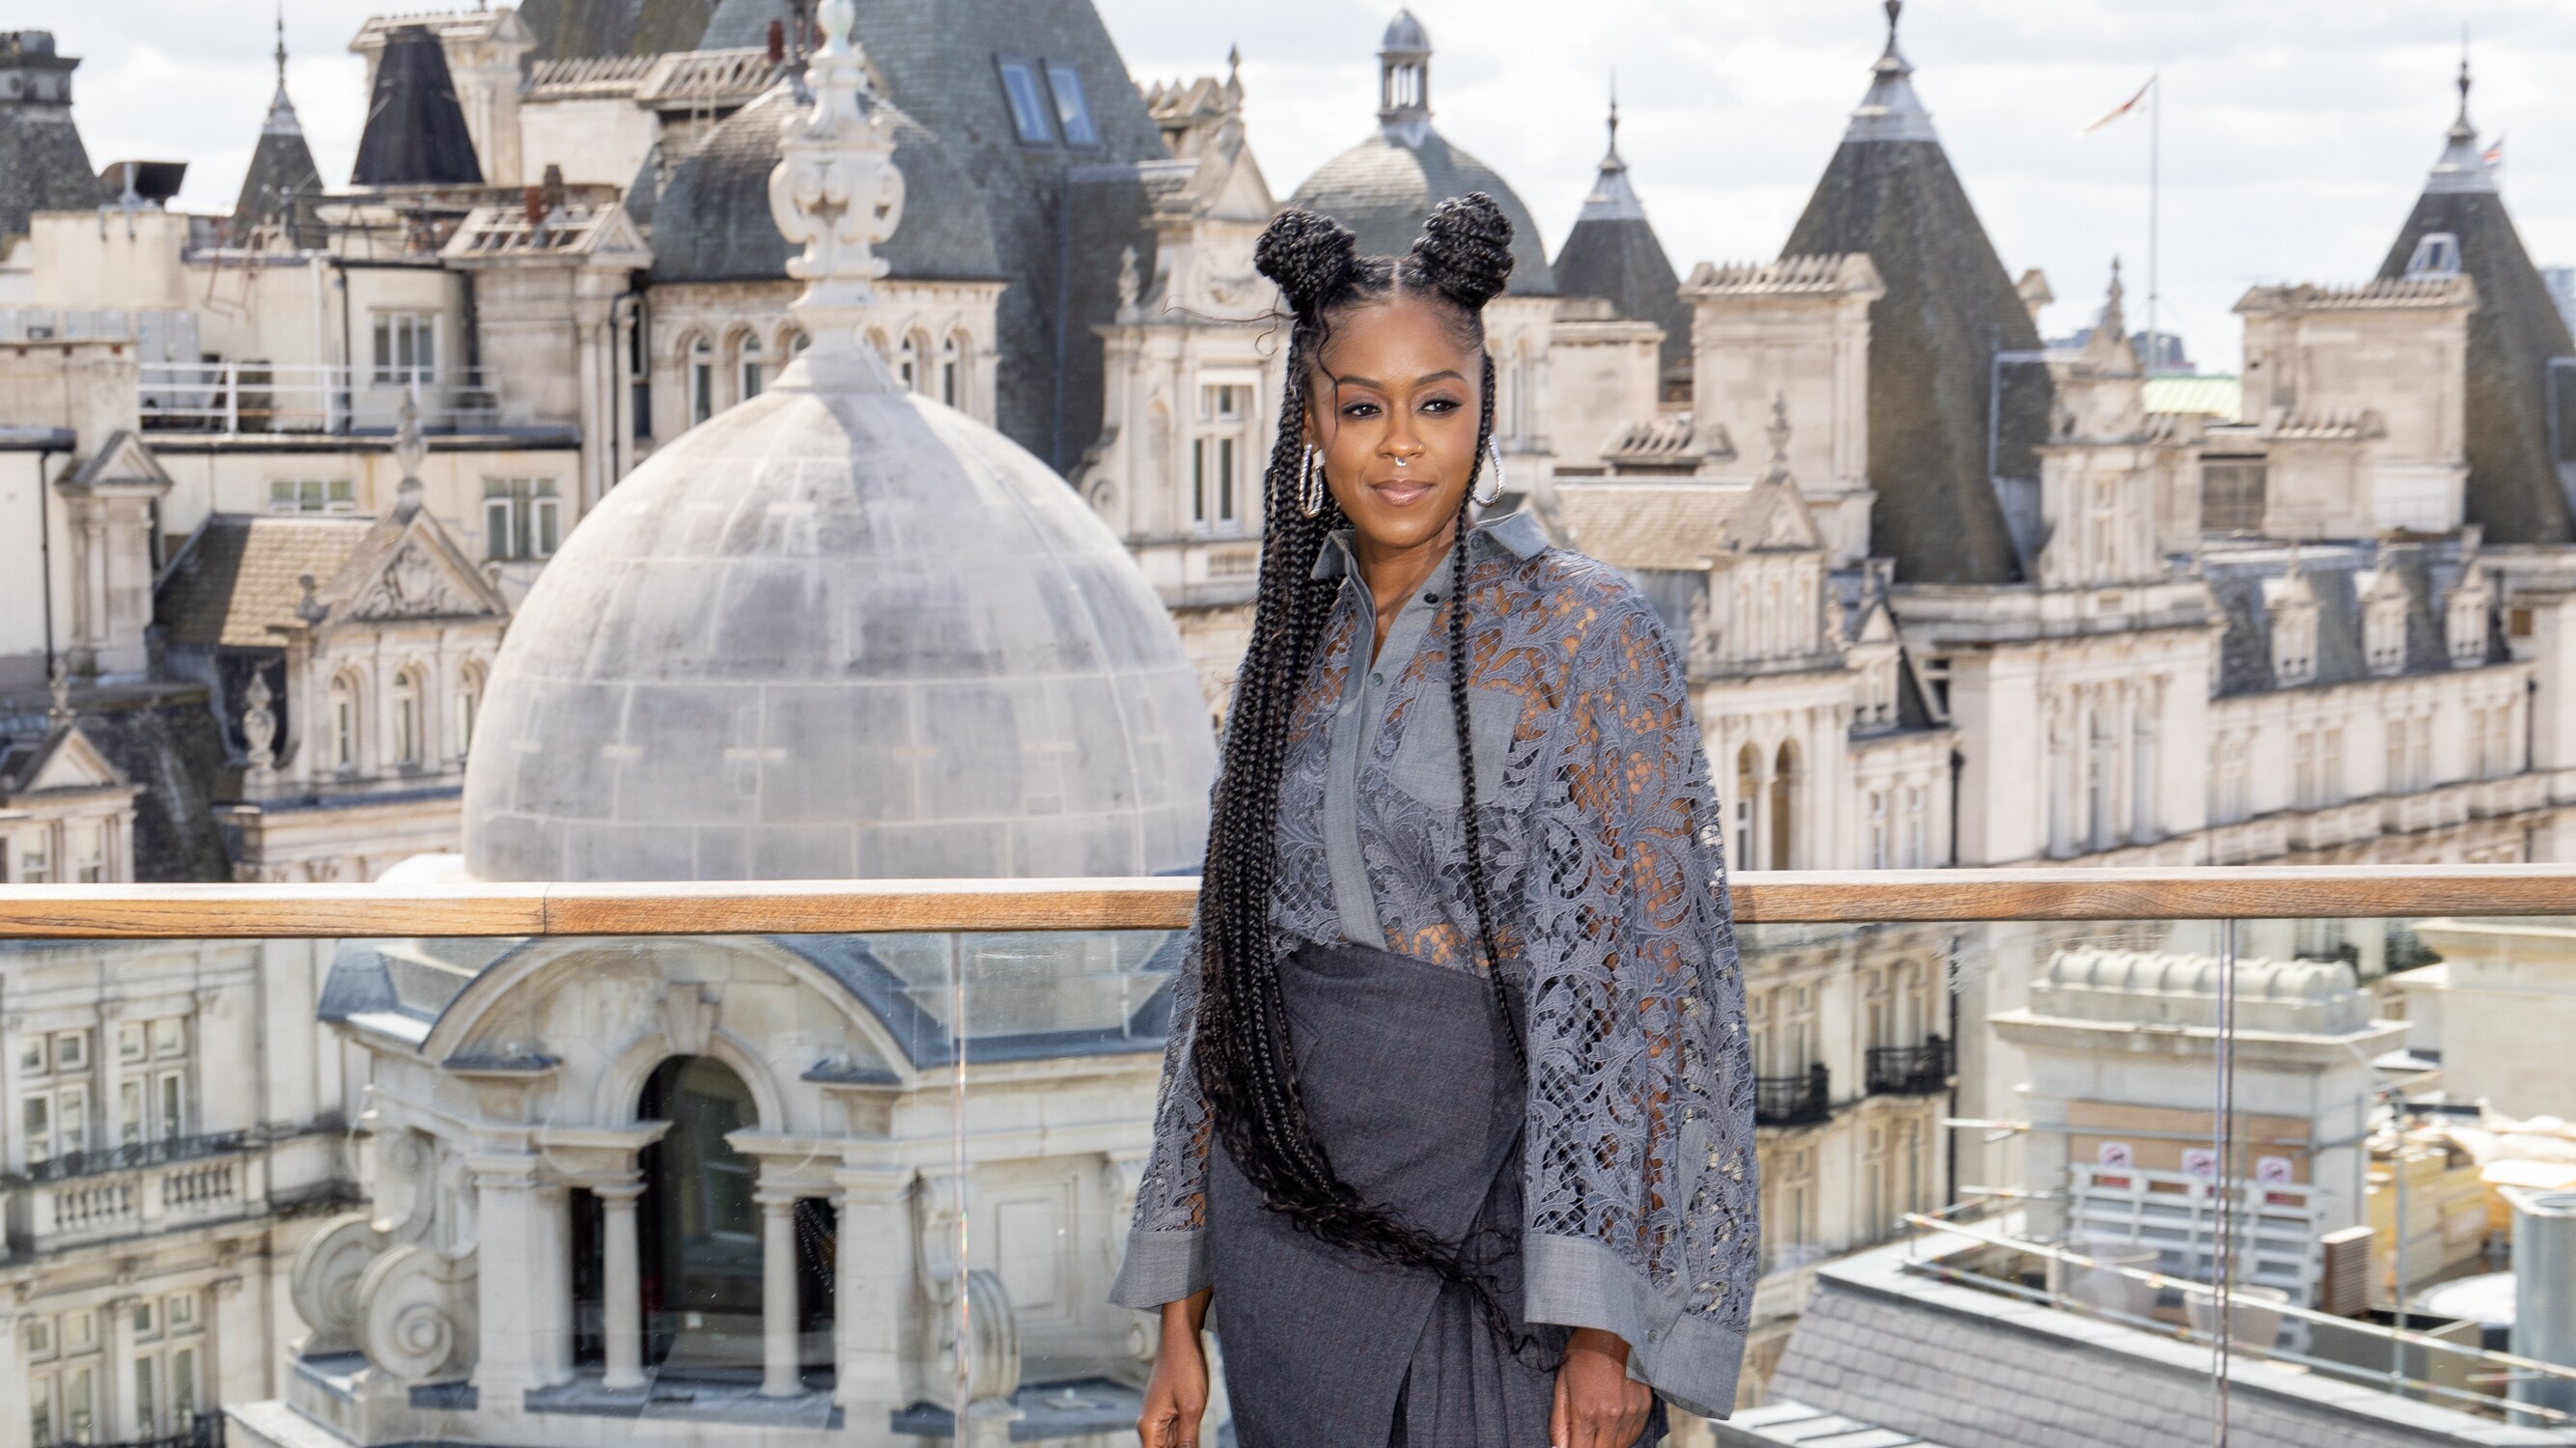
309	607
410	451
836	192
1778	433
58	683
259	728
1128	285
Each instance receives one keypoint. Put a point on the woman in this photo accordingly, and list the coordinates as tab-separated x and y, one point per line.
1456	1126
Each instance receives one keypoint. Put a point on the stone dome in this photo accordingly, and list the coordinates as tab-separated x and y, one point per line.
834	633
1383	187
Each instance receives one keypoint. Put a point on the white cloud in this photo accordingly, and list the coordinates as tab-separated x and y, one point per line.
2296	132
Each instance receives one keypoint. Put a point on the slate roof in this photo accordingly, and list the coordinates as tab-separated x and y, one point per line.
43	165
1949	306
1632	524
566	28
282	188
744	22
1919	1358
415	133
1383	187
1613	253
712	224
238	575
2514	488
2428	572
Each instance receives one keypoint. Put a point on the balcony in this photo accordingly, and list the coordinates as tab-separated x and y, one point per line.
1922	1070
235	399
100	1196
1797	1100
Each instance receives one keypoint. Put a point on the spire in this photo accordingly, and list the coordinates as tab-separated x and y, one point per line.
1891	111
1404	80
2463	166
837	193
1612	198
281	111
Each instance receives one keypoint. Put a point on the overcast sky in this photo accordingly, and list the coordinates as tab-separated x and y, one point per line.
2296	132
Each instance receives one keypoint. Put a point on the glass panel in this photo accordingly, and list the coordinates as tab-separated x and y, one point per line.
1071	110
1028	108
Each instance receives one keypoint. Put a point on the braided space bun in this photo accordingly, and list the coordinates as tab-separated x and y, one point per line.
1466	249
1310	256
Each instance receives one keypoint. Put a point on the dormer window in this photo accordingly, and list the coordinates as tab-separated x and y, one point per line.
2437	254
2383	629
2465	623
2294	643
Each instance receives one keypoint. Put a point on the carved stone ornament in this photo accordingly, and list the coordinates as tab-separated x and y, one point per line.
836	191
415	586
936	1211
992	1340
324	1282
688	1018
416	1315
259	724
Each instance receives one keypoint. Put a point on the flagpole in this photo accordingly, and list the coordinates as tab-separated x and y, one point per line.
2155	219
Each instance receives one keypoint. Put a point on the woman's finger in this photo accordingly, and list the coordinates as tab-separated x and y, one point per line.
1556	1431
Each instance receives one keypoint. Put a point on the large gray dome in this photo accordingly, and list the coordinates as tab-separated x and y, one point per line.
1385	186
831	635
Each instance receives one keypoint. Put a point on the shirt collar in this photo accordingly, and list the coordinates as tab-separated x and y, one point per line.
1516	532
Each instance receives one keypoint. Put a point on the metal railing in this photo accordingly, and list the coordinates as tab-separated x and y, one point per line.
1799	1100
1922	1070
72	1164
235	398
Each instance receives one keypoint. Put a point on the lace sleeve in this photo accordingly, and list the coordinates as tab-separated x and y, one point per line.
1166	1251
1643	1189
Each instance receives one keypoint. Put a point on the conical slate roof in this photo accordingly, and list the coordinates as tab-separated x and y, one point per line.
415	132
2514	489
283	186
43	165
1613	253
1949	307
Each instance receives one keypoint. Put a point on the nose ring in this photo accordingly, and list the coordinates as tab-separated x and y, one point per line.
1400	462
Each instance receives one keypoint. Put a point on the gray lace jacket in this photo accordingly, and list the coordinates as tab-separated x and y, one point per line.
1602	841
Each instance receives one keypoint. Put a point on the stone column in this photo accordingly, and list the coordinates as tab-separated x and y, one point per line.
622	1287
14	1424
778	1377
523	1280
115	1403
875	1259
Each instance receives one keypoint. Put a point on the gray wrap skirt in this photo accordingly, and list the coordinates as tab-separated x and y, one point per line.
1409	1081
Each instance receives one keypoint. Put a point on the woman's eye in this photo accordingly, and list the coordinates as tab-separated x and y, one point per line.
1441	404
1359	409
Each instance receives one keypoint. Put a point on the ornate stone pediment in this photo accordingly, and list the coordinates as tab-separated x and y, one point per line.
409	569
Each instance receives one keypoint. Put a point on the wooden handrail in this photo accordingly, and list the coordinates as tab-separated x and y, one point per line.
143	912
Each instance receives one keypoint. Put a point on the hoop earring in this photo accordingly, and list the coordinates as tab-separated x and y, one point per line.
1494	452
1310	487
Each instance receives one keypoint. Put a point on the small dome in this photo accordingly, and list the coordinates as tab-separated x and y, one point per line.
712	223
1405	35
1385	186
836	634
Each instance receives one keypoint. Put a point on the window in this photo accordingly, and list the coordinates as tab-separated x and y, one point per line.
521	518
469	697
312	495
751	368
2467	629
406	347
153	1100
1878	840
89	852
62	1407
1748	769
1028	107
2294	643
407	703
2383	629
1216	457
1072	112
35	864
908	367
702	380
950	355
1918	827
54	1095
2437	254
2231	494
344	722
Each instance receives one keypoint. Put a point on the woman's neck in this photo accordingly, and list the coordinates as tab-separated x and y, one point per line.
1395	574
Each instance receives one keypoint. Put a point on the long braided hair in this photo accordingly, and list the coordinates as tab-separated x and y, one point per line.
1241	1048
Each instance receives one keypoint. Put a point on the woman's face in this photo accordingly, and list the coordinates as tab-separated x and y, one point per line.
1395	413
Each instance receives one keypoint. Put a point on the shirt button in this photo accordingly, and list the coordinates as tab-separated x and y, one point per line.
1379	680
1431	598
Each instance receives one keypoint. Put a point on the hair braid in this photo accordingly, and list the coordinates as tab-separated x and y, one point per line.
1479	890
1242	1052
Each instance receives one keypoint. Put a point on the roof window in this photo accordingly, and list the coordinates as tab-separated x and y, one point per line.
1072	112
2437	254
1028	102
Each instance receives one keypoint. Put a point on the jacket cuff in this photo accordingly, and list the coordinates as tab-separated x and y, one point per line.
1161	1267
1577	1282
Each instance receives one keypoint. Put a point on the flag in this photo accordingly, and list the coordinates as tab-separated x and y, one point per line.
2122	109
2494	154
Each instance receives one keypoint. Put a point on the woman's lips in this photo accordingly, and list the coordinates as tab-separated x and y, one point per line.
1401	492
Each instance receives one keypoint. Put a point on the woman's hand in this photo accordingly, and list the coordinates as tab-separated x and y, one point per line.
1597	1405
1177	1394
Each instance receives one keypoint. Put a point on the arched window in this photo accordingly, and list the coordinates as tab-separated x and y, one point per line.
793	342
1748	788
702	380
750	367
342	708
407	717
907	362
877	343
952	370
1784	795
698	1226
469	698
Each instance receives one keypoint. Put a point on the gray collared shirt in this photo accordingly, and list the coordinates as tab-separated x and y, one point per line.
1601	850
